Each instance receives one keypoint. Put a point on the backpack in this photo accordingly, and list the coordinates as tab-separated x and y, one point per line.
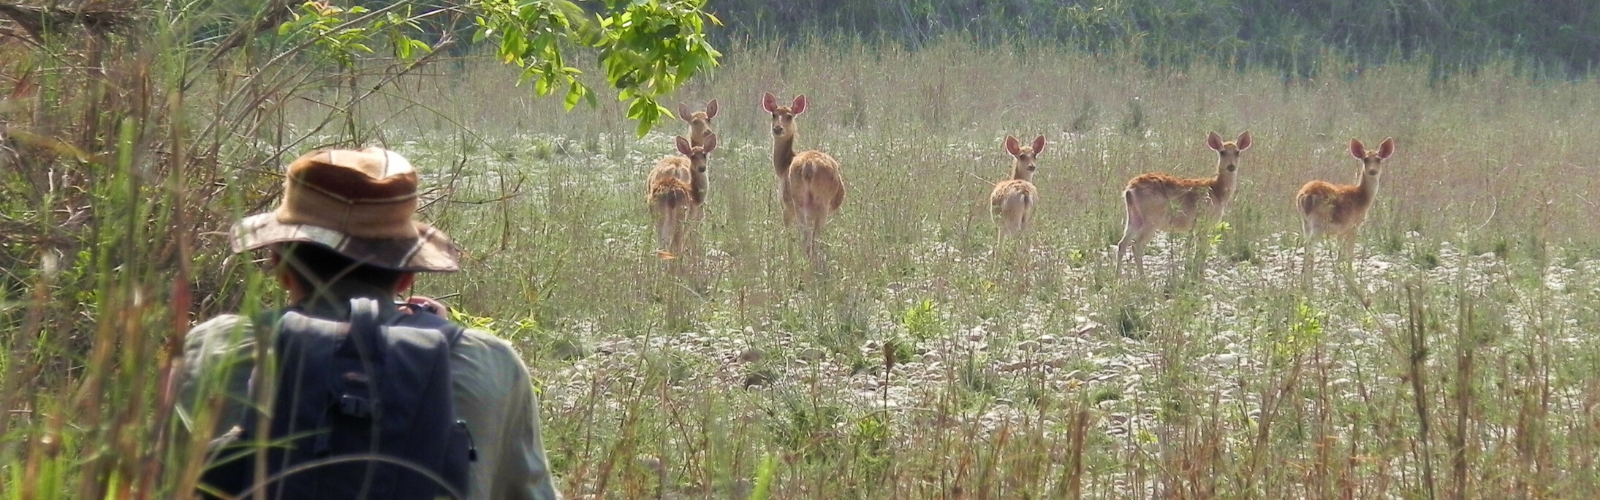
362	410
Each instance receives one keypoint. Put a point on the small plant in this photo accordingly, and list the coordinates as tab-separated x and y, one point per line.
764	477
1426	258
921	320
1133	123
1131	323
870	439
1083	120
1304	333
1105	392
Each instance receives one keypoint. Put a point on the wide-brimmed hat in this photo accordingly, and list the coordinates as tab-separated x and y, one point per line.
359	203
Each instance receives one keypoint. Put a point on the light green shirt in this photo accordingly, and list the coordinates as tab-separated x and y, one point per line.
493	393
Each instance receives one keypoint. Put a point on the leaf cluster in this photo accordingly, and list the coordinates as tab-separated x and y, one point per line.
646	48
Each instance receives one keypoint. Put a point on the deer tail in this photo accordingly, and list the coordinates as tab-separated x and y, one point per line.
1135	219
669	194
1307	203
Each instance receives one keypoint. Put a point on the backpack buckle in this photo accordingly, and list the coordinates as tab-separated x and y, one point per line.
355	407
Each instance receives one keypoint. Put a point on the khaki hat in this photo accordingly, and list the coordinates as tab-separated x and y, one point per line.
358	203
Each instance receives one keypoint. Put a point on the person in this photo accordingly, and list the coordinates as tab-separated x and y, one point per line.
345	230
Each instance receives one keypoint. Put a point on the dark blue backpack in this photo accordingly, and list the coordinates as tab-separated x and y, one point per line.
362	410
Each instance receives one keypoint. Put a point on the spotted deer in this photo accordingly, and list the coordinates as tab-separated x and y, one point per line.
699	121
1160	202
1338	210
1013	199
810	182
676	193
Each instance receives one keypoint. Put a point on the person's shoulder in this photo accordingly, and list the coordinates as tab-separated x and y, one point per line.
490	349
223	325
488	341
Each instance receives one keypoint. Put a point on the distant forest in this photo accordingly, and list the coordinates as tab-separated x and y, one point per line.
1555	38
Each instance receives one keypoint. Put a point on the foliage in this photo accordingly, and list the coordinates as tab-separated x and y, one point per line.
133	133
1291	36
921	320
111	233
646	49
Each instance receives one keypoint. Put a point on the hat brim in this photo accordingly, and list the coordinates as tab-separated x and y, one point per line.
431	251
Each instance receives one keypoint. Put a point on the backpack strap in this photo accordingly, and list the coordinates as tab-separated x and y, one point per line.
366	334
424	318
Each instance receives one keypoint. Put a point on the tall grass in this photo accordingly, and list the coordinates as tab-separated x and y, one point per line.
1454	361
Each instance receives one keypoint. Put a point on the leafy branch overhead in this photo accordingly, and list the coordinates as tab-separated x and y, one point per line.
647	48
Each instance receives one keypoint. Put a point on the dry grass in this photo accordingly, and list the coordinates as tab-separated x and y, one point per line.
1454	362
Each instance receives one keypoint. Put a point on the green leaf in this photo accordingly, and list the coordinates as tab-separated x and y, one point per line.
575	92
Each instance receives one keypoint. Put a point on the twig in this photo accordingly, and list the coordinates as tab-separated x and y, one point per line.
1416	329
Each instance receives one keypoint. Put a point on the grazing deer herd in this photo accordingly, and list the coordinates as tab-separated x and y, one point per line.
811	188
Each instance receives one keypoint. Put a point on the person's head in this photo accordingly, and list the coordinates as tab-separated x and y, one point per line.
305	268
346	218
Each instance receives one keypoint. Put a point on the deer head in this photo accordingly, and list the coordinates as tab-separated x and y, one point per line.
783	117
1025	156
1372	161
1228	152
697	154
699	121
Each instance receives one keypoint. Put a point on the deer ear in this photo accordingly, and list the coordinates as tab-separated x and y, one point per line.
683	112
769	102
1244	140
1038	145
799	105
1357	150
709	143
1214	142
711	109
683	146
1012	146
1387	148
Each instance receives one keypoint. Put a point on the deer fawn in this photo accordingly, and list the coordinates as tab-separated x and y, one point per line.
699	121
676	192
1160	202
1339	209
810	182
1012	200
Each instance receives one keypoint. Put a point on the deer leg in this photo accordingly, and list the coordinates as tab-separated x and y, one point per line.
788	207
1309	257
1347	250
1025	234
1130	234
1000	237
818	220
694	226
1139	242
666	232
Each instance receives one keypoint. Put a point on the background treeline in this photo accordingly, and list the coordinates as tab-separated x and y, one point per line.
1550	38
1558	37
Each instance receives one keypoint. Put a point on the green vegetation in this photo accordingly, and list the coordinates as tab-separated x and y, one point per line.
1456	359
1555	37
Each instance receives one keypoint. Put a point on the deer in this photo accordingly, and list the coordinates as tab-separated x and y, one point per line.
1160	202
810	182
1012	200
699	129
675	192
1338	210
699	121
